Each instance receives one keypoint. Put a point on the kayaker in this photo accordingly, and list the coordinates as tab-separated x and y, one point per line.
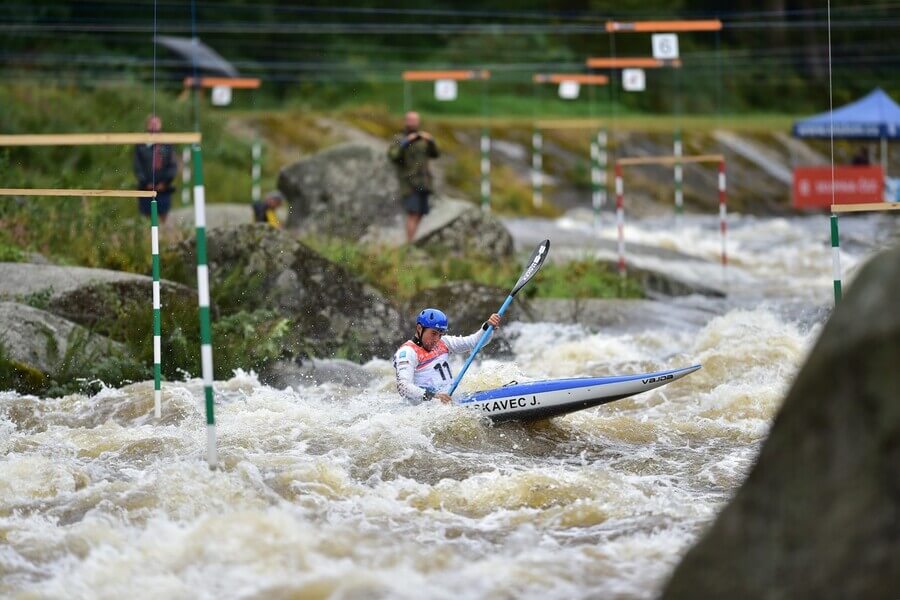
422	363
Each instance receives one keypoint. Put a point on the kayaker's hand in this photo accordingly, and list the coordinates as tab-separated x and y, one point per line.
444	398
495	320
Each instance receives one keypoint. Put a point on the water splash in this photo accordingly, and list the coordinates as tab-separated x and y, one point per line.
331	490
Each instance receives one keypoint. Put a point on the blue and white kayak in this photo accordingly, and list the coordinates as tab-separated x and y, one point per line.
554	397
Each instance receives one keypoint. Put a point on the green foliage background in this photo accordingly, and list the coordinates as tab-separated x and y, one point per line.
771	56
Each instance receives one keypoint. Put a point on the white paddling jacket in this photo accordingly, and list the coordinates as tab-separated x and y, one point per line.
423	373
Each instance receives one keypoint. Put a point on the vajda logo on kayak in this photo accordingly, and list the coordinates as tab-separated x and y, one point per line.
655	379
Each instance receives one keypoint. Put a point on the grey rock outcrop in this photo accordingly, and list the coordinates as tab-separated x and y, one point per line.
819	514
617	314
39	341
332	313
99	305
351	191
89	297
342	191
469	303
470	230
19	280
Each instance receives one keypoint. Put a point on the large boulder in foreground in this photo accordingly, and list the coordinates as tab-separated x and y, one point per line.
351	191
331	312
819	515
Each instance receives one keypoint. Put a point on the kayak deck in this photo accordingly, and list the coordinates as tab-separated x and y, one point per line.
550	398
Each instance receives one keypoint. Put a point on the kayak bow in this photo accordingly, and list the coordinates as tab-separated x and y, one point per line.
550	398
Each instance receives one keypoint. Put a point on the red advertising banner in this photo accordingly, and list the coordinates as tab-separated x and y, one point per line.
852	185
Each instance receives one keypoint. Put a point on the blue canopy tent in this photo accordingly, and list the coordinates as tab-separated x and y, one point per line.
876	116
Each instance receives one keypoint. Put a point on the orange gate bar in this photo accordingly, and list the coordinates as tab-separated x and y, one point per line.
435	75
582	78
629	63
663	26
243	83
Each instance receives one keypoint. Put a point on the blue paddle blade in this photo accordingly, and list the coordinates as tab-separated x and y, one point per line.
534	264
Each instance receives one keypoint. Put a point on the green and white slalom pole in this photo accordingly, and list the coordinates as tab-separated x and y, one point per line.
679	178
598	176
485	169
157	307
595	183
620	220
836	258
186	176
256	171
206	355
537	168
723	215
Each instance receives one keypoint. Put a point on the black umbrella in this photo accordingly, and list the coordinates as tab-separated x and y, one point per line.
198	55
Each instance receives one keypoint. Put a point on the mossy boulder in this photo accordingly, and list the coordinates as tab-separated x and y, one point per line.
103	306
39	350
819	514
21	280
331	312
114	304
94	298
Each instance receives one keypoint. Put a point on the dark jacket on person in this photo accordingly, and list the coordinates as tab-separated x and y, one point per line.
262	213
412	159
155	157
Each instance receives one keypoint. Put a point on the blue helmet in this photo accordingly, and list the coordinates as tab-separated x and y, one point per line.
432	318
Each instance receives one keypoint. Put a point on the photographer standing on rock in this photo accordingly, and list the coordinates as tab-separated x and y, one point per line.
411	152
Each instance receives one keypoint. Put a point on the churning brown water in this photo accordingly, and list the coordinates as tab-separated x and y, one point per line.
332	491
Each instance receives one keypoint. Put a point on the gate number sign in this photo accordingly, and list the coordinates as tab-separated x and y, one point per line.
633	80
445	89
665	46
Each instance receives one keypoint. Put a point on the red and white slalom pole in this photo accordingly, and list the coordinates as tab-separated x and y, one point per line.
723	213
620	218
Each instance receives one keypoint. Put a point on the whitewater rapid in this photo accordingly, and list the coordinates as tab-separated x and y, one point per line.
337	491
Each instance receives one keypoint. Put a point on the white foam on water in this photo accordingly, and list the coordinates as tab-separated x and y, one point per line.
334	491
